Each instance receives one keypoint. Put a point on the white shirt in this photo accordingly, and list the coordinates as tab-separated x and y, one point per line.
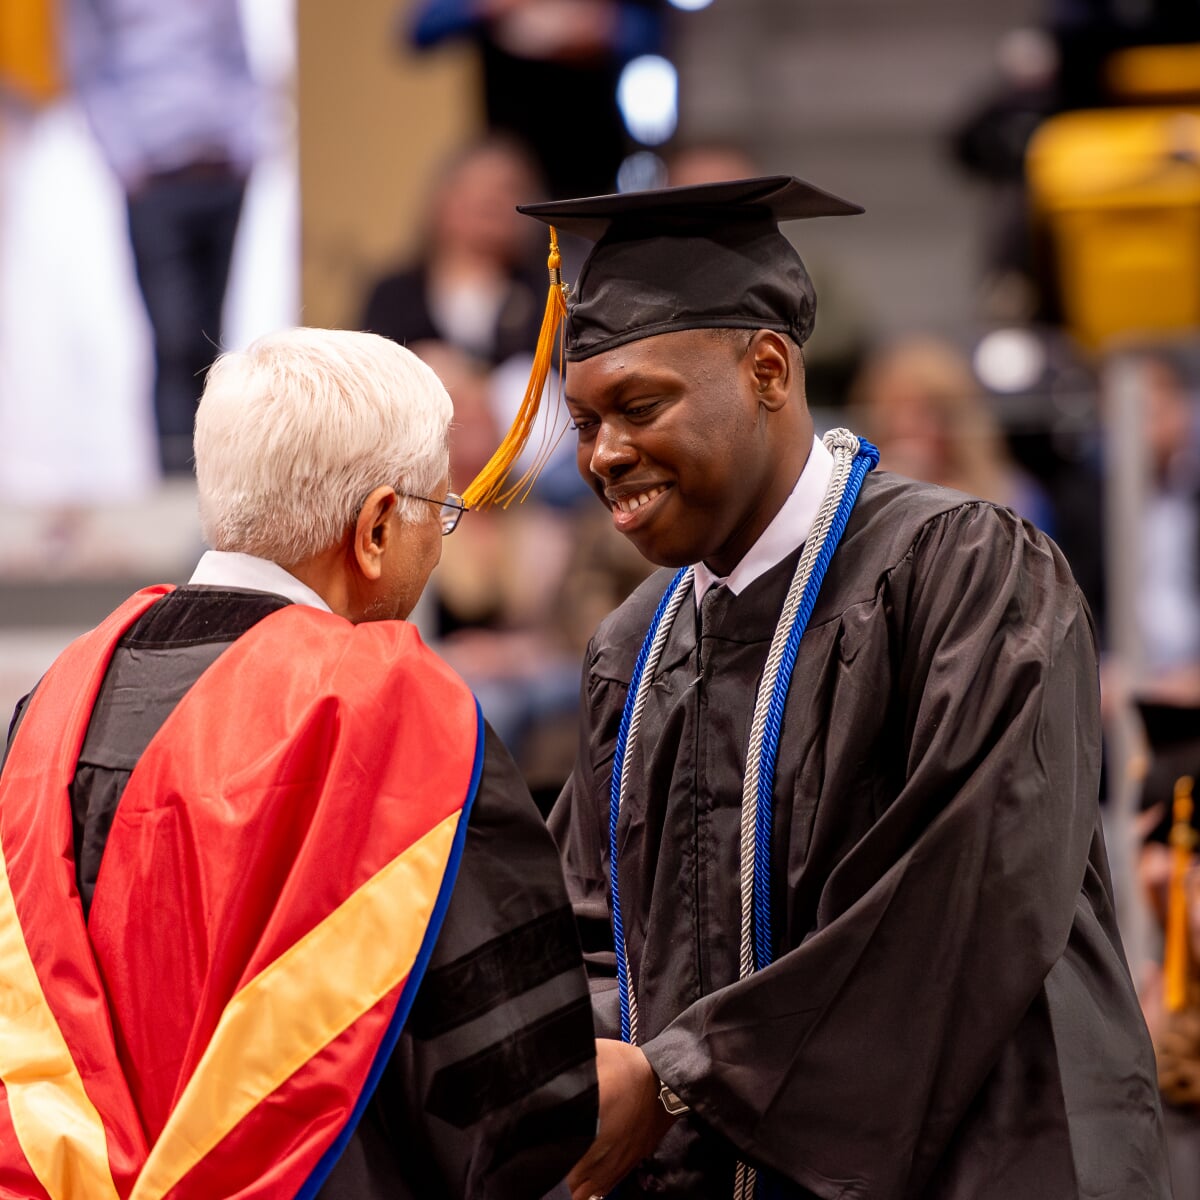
787	532
226	568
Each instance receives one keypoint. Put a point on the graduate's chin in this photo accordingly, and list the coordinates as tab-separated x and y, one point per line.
654	551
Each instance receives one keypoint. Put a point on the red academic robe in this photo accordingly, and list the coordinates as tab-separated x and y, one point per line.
269	896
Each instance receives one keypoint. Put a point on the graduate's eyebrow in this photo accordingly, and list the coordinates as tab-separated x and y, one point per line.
624	383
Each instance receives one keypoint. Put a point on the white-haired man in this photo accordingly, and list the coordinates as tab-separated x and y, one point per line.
277	914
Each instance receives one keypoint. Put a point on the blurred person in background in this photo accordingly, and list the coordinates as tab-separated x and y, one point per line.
550	69
494	611
1064	65
278	883
1166	566
990	141
708	160
478	282
1168	570
169	93
519	590
919	401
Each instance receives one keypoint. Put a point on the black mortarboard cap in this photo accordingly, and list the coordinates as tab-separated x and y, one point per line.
1173	734
704	257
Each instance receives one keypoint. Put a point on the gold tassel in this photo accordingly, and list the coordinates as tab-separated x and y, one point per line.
488	487
1175	950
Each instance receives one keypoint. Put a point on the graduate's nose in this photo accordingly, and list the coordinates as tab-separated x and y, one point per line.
612	452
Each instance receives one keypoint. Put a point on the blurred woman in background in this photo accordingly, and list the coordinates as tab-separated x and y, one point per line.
918	400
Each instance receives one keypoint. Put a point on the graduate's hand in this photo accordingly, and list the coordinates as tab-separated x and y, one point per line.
632	1120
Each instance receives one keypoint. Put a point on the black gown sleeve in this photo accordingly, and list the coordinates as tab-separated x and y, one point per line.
491	1091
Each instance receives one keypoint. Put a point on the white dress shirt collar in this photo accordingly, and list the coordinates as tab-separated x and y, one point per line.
225	568
787	532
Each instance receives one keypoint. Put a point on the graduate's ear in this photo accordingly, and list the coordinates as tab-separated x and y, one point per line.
372	532
769	359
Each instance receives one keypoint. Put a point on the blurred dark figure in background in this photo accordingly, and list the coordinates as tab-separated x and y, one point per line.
479	284
1169	568
1166	561
1089	32
1074	62
919	402
990	143
550	71
167	87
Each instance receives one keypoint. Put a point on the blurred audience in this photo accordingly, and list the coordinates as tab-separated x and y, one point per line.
494	612
479	283
170	96
990	142
1073	61
919	402
502	575
1168	569
519	590
709	161
550	71
1165	563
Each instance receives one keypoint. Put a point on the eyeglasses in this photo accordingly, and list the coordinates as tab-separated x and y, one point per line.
452	509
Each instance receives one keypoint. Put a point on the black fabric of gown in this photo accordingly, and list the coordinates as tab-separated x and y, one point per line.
949	1013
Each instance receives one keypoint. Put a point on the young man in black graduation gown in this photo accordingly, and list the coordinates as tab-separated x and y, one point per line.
948	1013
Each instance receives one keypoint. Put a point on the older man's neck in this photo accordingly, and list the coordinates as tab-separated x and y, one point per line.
330	576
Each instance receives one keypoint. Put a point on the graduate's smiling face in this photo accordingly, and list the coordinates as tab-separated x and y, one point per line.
690	439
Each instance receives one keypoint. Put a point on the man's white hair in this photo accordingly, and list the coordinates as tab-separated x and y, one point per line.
294	432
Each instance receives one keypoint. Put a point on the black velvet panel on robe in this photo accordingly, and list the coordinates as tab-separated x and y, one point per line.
949	1014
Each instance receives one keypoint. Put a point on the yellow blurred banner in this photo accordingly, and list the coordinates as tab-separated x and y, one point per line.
1119	191
29	49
